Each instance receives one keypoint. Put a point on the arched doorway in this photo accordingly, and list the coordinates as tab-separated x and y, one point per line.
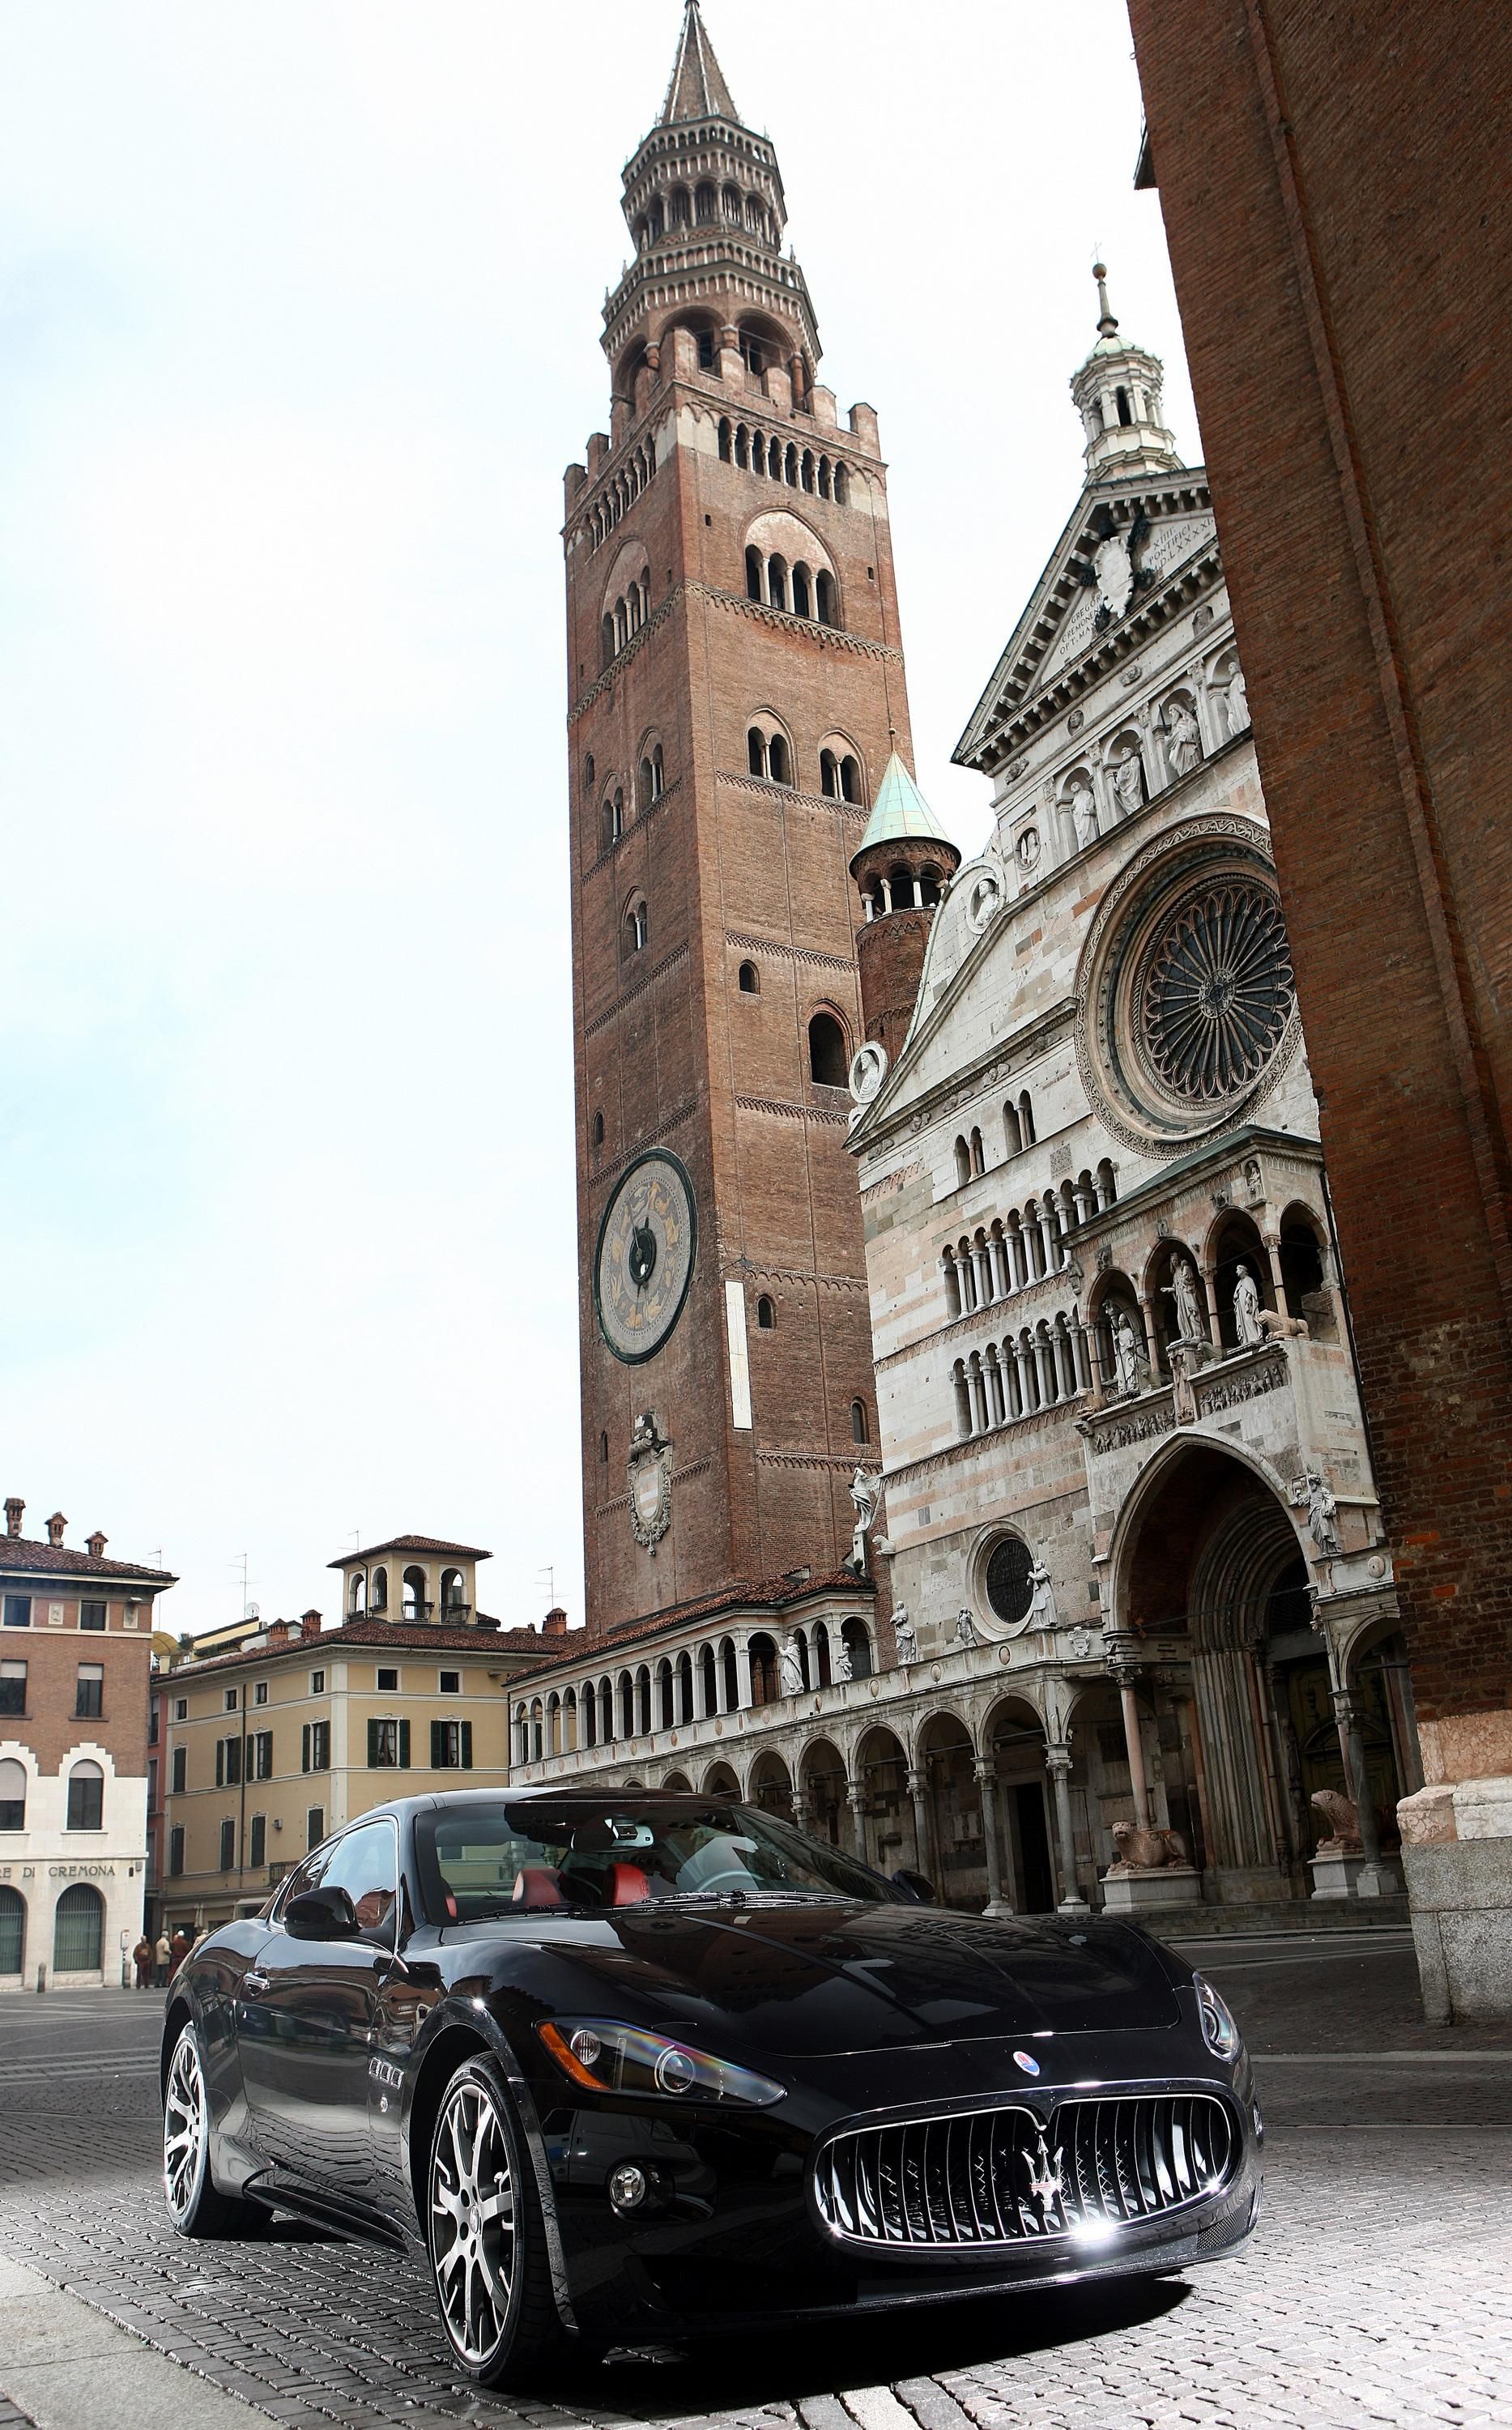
677	1782
720	1781
1025	1821
822	1775
1213	1582
78	1930
12	1930
772	1786
958	1855
889	1835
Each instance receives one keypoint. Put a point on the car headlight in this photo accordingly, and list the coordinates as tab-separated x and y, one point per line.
1220	2030
606	2057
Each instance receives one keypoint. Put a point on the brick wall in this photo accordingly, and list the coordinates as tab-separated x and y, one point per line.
1338	206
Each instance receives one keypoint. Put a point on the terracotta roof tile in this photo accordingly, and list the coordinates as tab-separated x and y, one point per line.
61	1560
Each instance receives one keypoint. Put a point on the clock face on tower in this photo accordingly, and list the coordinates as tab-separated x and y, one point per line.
644	1260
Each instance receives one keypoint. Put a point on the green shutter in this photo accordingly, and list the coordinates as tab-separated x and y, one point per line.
436	1728
220	1763
304	1748
404	1747
467	1746
373	1745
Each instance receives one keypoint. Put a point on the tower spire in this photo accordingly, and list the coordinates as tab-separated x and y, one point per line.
698	89
1108	319
1118	395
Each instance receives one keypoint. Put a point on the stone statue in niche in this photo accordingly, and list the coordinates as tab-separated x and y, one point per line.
1237	703
1042	1611
1128	1357
865	1495
1247	1310
1128	782
966	1629
1311	1492
1183	743
1082	811
902	1629
1182	1289
839	1663
791	1669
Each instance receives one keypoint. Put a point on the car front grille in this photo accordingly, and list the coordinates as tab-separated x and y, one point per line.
1003	2176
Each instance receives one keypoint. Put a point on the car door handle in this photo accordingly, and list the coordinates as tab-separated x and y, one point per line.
253	1983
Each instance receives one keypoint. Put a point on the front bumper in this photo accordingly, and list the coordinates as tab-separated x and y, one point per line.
732	2234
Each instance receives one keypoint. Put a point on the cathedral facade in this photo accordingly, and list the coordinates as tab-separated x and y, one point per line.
1135	1536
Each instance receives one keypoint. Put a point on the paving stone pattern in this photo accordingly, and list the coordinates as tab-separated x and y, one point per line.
1377	2291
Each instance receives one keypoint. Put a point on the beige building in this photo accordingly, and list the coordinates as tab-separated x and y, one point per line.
267	1749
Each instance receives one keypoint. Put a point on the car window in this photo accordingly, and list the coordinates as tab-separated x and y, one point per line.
365	1864
535	1854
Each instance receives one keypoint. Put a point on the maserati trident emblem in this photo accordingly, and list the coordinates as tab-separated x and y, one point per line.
1045	2185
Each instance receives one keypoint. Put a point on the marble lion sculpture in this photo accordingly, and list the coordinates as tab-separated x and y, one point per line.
1342	1818
1144	1852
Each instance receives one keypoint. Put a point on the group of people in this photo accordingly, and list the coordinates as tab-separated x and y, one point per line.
157	1961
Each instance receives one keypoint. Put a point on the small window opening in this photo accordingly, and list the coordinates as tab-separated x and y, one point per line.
1125	416
598	1129
766	1315
778	759
860	1431
826	1050
750	979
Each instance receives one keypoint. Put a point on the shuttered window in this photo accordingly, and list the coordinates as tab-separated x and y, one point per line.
389	1745
451	1746
228	1844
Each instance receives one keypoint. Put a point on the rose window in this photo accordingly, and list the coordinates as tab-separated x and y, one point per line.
1218	993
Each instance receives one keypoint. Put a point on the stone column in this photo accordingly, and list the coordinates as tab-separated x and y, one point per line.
1373	1880
919	1795
742	1672
799	1808
1057	1763
983	1264
855	1796
1022	1360
1139	1786
979	1397
1046	1223
1273	1250
952	1284
1001	1268
1210	1293
986	1776
1084	1363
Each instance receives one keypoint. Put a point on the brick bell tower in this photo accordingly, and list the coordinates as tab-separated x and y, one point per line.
735	683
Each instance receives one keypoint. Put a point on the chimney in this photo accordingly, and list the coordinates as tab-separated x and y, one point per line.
556	1622
278	1631
15	1506
310	1624
56	1526
98	1543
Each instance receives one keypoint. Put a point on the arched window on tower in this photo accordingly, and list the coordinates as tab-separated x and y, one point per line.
843	486
1125	415
753	570
727	443
824	597
766	1315
1012	1134
1026	1128
978	1159
598	1129
704	205
750	980
637	926
588	774
777	581
608	639
860	1430
963	1164
801	593
778	759
850	779
829	775
826	1050
755	752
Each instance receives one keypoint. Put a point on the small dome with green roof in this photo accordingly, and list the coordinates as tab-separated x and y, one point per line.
901	809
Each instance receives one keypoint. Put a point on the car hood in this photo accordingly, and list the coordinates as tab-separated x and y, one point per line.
822	1979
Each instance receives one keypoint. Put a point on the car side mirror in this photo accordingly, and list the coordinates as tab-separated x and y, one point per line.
915	1884
326	1914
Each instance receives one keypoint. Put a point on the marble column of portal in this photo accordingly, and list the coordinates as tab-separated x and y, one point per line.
1278	1280
1023	1361
1047	1234
1057	1763
986	1783
854	1799
1001	1268
919	1795
981	1260
742	1672
1347	1712
1211	1287
1139	1786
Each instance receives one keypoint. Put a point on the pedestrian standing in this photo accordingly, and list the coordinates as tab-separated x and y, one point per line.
164	1959
143	1958
179	1951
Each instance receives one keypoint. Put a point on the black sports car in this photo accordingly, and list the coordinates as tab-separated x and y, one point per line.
637	2066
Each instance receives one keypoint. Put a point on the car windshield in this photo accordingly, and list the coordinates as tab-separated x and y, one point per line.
532	1854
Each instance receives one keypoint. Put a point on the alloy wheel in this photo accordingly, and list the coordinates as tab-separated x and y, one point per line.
472	2231
185	2119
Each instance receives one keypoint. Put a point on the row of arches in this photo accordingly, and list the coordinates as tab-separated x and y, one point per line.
78	1930
367	1591
634	477
775	459
798	590
706	205
1289	1270
701	1683
769	753
1200	712
901	888
1036	1369
1018	1134
624	619
1026	1246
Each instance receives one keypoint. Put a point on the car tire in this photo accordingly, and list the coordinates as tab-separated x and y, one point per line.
486	2236
196	2206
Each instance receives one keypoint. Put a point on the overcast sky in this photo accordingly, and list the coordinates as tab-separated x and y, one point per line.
299	307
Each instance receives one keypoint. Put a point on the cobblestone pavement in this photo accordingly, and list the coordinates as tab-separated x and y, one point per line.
1378	2289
